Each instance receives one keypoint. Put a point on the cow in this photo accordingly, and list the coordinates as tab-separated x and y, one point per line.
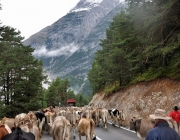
103	115
75	117
40	116
68	130
95	116
4	130
61	129
142	126
87	113
86	128
35	129
116	116
19	118
30	124
10	122
25	128
37	120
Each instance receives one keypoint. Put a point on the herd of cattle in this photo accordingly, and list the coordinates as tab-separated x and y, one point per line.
61	122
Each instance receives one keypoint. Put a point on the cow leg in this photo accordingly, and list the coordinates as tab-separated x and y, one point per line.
80	136
74	132
120	123
113	122
88	134
101	122
105	126
97	121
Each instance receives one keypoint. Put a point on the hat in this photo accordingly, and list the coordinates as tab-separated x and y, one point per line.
175	108
159	114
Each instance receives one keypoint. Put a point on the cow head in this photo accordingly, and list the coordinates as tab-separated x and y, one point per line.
135	123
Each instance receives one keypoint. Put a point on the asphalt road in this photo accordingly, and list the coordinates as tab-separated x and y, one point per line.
113	133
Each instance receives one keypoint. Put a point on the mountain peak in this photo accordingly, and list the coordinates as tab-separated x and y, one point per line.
85	5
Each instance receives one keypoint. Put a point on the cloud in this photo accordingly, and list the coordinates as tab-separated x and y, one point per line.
44	52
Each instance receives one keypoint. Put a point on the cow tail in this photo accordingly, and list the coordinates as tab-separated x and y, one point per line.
92	128
105	118
65	128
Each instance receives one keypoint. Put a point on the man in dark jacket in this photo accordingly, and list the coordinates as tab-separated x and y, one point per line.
161	130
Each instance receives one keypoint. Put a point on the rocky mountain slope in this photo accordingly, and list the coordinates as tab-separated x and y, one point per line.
67	47
142	99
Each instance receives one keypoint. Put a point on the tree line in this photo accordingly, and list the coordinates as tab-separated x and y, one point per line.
142	43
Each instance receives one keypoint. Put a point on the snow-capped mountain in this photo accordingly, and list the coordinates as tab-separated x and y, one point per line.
67	47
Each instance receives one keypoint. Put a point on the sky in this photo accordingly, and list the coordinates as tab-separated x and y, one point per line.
30	16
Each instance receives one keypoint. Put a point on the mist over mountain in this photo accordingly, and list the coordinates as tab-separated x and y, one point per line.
68	46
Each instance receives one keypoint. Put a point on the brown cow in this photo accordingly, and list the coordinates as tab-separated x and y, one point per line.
35	130
61	129
104	117
142	126
50	117
95	116
86	128
7	124
9	121
4	130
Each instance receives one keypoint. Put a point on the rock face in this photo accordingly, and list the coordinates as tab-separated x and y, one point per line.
143	98
67	47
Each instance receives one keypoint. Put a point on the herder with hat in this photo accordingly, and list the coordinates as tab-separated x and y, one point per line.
161	130
175	115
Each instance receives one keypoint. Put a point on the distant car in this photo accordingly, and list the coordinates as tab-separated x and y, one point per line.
71	102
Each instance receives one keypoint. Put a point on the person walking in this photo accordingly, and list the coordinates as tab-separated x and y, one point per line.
175	115
161	130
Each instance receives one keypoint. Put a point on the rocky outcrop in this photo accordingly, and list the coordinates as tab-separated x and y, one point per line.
143	98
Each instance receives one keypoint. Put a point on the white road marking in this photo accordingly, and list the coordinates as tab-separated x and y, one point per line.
120	127
98	138
123	128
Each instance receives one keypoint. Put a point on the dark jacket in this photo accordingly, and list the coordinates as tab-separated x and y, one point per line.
162	131
19	134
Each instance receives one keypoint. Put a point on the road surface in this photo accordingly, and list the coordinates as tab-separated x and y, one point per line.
113	133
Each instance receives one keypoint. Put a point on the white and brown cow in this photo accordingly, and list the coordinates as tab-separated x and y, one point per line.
86	128
42	121
116	116
19	118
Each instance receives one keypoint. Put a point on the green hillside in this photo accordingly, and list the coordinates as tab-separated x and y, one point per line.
142	43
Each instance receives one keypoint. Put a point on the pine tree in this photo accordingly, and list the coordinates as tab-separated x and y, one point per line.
21	75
